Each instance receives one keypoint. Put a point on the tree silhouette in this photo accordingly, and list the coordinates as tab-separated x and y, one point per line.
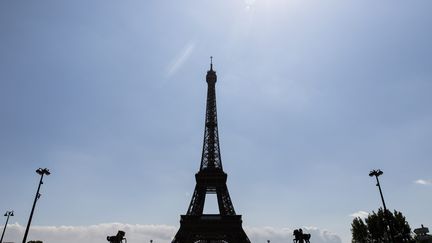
359	231
374	228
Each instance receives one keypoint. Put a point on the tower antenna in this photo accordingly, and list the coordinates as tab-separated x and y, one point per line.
211	62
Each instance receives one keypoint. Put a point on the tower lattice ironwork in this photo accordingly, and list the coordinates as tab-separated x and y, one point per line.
195	226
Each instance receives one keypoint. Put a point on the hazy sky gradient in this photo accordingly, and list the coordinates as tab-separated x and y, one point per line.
312	95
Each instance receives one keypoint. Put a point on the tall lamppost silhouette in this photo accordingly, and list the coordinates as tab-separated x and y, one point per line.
377	173
7	214
41	172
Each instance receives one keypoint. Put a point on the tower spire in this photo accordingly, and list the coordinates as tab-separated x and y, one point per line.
211	158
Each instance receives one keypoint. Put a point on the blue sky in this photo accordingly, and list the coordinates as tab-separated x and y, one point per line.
311	96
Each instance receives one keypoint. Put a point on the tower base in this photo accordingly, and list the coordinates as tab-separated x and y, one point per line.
211	228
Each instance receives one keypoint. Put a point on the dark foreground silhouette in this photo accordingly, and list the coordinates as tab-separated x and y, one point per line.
117	238
300	237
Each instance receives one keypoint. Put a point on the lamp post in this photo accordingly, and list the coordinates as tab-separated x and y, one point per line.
41	172
7	214
377	173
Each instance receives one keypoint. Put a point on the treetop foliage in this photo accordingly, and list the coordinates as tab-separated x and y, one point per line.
375	228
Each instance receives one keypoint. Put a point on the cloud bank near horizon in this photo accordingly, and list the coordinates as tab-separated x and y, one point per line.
145	233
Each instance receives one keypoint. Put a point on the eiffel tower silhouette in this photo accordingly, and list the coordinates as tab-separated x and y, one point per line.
196	227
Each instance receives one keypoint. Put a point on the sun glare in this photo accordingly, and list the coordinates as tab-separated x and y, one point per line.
274	4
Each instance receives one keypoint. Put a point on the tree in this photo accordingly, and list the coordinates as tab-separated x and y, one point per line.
375	229
401	227
359	231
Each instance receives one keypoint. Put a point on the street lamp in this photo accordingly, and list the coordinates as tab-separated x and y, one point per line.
41	172
377	173
7	214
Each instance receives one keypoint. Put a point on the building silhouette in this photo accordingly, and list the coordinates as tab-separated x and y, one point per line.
195	226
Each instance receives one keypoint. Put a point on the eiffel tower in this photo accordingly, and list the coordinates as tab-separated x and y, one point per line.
225	227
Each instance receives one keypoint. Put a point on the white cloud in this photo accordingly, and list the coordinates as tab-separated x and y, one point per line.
178	61
92	233
283	235
361	214
423	182
144	233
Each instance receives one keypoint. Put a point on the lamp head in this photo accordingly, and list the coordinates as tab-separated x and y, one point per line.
375	173
41	171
